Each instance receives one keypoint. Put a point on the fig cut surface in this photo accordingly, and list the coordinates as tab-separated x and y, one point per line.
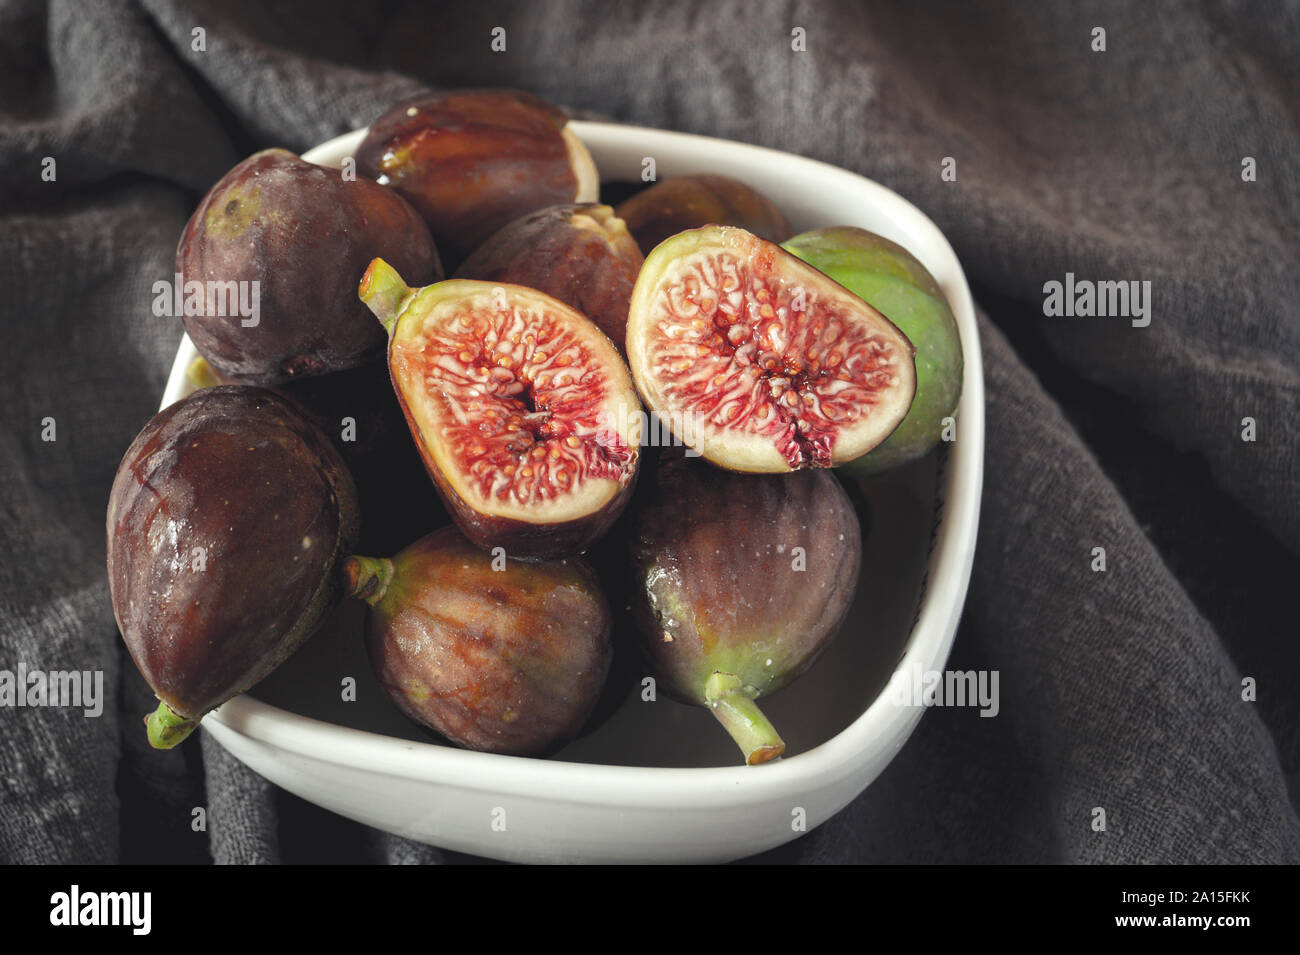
523	410
760	362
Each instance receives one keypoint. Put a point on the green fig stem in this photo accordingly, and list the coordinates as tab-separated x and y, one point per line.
166	727
384	293
367	578
733	704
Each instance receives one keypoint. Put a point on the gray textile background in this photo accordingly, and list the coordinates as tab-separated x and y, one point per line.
1119	690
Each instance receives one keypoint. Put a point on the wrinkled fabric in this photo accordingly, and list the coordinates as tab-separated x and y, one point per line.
1121	689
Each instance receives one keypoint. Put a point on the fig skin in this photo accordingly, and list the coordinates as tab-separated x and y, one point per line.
505	661
689	202
240	473
471	161
304	233
402	309
891	279
580	253
715	569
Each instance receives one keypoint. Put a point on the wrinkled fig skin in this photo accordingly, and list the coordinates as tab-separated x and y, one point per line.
503	661
714	561
689	202
361	415
471	161
226	522
581	254
305	234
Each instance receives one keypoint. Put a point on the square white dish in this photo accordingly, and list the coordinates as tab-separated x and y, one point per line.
658	781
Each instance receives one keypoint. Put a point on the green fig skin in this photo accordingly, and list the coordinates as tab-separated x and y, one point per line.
226	522
690	202
890	278
508	660
304	234
579	253
718	584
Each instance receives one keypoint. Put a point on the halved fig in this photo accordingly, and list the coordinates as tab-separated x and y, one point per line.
522	409
760	362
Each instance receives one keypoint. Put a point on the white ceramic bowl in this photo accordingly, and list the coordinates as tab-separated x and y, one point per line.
659	781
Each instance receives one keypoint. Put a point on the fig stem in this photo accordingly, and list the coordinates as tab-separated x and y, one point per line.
367	578
384	293
733	704
165	727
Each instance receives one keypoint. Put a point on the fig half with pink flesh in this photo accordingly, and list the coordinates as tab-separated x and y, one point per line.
522	409
760	362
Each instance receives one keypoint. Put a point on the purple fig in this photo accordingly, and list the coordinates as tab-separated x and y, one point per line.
226	522
580	254
690	202
740	582
291	238
472	160
496	654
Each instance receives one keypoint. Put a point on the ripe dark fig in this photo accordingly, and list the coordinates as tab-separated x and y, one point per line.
759	361
473	160
741	582
689	202
291	237
580	254
226	522
522	409
503	657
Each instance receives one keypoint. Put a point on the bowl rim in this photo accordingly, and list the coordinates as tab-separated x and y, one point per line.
879	731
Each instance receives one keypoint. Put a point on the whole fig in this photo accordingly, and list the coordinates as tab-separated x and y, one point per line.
473	160
267	265
505	657
226	521
580	254
740	582
690	202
